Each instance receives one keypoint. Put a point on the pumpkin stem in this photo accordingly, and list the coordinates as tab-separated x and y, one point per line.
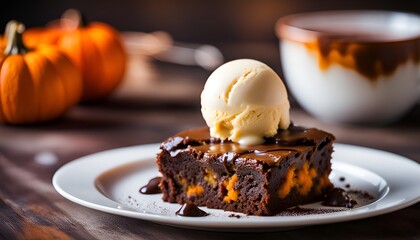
13	36
74	19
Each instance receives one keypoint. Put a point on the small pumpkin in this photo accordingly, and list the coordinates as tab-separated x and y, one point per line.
36	85
38	35
96	49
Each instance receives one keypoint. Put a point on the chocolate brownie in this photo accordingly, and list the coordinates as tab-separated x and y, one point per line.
288	169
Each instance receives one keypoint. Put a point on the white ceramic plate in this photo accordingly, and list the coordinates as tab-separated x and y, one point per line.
109	181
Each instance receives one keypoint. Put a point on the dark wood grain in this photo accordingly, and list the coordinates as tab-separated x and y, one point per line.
30	208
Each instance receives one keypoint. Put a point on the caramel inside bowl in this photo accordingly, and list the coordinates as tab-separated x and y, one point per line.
373	43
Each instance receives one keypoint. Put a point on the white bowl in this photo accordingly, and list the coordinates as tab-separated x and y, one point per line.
352	66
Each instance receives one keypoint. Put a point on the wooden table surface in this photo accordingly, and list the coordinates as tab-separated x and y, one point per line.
154	102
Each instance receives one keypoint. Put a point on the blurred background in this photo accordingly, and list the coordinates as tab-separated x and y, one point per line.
221	23
159	98
238	28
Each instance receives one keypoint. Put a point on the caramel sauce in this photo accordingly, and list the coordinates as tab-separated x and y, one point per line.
370	55
286	142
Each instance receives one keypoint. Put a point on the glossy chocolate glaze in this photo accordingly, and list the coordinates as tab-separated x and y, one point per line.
370	55
152	187
272	151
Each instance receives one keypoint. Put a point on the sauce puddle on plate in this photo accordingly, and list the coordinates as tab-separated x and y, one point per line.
190	210
152	187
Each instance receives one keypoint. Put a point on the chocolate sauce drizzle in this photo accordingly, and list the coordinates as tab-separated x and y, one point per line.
190	210
152	187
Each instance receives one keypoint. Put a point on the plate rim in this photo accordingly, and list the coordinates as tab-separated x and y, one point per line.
239	225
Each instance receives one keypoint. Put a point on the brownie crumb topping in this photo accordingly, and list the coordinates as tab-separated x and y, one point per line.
339	197
234	215
301	211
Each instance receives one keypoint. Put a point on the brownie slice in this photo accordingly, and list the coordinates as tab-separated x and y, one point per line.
289	169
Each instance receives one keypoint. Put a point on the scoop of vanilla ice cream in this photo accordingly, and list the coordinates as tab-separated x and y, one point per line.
244	101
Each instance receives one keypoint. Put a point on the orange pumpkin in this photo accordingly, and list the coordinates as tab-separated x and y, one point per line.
36	85
35	36
95	48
